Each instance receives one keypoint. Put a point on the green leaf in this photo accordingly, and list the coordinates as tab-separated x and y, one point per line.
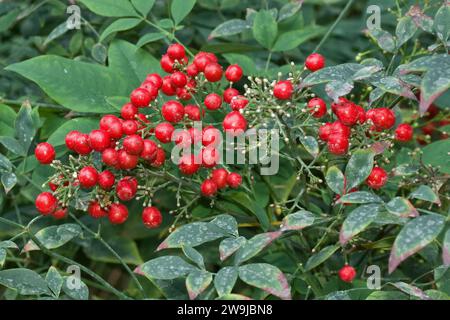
7	244
406	28
387	295
336	89
196	282
143	6
266	277
359	168
229	28
411	290
7	119
84	125
415	235
442	22
76	85
289	9
384	39
247	64
310	144
149	37
446	249
360	197
117	102
320	257
125	248
24	126
292	39
120	25
13	145
131	62
98	52
79	291
340	73
56	33
229	246
54	281
166	268
265	28
233	296
180	9
335	180
225	280
25	281
9	180
194	256
255	245
401	207
226	224
297	220
54	237
5	164
7	20
357	221
436	155
244	200
108	8
437	295
2	257
425	193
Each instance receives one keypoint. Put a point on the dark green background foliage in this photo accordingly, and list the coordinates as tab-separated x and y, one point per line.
39	101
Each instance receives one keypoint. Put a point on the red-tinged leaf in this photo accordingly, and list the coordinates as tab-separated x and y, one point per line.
425	193
379	147
411	290
255	245
196	282
358	220
402	208
234	296
166	268
229	246
297	221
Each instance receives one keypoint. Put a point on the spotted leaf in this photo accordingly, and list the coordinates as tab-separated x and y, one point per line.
255	245
297	221
165	268
335	180
196	282
25	281
359	167
320	257
360	197
54	237
229	246
401	207
358	220
225	280
425	193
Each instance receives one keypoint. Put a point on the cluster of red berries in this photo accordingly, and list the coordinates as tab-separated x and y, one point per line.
125	142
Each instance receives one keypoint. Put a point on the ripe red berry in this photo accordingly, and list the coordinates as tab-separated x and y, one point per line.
211	136
383	118
315	62
151	89
149	151
234	180
347	273
164	131
129	127
173	111
112	125
155	79
167	63
99	140
151	217
283	90
127	161
202	59
176	51
196	135
46	203
82	146
52	186
404	132
210	157
377	178
338	127
208	188
193	112
213	101
110	157
159	159
234	73
133	144
317	107
106	180
182	138
88	177
71	139
118	213
96	211
213	72
219	176
337	143
229	94
126	189
324	131
140	97
192	70
238	103
184	94
348	114
128	111
188	164
60	213
45	153
179	79
168	88
234	123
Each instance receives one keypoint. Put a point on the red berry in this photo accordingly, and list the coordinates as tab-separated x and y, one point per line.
188	164
317	107
127	161
96	211
149	151
202	59
60	213
151	89
315	62
213	72
159	159
88	177
110	157
112	125
46	203
283	90
234	123
193	112
140	97
338	127
347	273
155	79
173	111
348	114
229	93
324	131
179	79
126	188
118	213
71	139
106	180
208	188
337	143
234	180
133	144
99	140
429	128
196	135
82	145
219	176
128	111
168	88
183	94
383	118
164	131
167	63
238	103
404	132
52	186
182	138
176	51
377	178
129	127
211	136
213	101
45	153
151	217
192	70
210	157
234	73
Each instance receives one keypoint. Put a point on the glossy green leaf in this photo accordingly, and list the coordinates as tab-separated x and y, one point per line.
415	235
120	25
194	256
7	119
54	237
25	281
166	268
384	39
289	9
359	167
84	125
8	244
297	220
143	6
387	295
148	38
234	296
77	290
292	39
54	281
320	257
12	145
108	8
340	73
3	254
406	28
401	207
99	53
437	154
393	85
25	126
5	164
310	144
230	28
425	193
360	197
9	180
411	290
225	280
255	245
442	22
357	221
266	277
226	224
229	246
335	180
7	20
196	282
265	28
180	9
446	249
